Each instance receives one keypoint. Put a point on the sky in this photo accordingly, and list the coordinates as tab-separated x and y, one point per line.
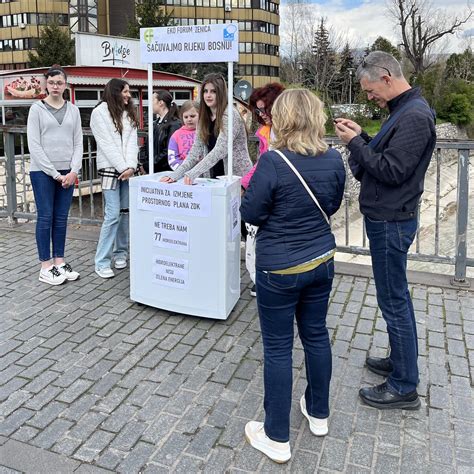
360	22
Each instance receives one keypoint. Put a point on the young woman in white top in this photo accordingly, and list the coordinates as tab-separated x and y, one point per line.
54	135
114	124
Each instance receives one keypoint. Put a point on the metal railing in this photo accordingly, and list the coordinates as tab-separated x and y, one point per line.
443	212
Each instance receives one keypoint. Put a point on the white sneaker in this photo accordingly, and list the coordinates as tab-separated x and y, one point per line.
255	434
52	276
66	270
318	426
120	263
105	272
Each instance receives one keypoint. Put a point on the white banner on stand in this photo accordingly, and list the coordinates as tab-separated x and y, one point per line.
190	44
175	199
170	271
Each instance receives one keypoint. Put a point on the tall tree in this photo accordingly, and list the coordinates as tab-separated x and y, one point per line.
383	44
148	14
296	39
345	84
323	66
55	46
461	66
421	27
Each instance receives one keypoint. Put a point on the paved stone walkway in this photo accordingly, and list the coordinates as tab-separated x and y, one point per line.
92	382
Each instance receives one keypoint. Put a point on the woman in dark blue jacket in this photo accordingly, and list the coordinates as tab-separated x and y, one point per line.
295	265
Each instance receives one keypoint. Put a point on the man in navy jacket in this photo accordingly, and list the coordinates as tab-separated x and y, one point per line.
391	168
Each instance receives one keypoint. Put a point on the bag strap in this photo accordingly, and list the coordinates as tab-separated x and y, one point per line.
303	182
393	120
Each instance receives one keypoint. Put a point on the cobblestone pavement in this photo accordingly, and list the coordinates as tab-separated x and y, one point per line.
92	382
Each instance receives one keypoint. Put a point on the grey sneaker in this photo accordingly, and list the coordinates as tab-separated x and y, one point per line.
105	272
52	276
120	263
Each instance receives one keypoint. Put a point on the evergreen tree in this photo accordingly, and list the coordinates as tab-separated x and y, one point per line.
345	87
151	14
383	44
54	47
323	64
148	14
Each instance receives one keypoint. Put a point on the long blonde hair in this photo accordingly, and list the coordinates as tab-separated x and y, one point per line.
298	120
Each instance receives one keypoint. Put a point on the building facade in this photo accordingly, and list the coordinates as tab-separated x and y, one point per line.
259	22
21	22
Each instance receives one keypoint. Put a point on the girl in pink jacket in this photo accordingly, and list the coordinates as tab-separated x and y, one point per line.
182	140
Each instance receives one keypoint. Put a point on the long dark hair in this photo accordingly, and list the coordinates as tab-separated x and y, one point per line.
205	114
167	98
112	96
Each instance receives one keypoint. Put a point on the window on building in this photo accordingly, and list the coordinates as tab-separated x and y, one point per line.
83	15
86	95
181	96
16	115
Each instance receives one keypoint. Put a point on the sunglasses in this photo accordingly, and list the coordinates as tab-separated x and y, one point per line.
365	64
260	111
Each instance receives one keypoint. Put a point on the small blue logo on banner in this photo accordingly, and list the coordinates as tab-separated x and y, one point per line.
229	33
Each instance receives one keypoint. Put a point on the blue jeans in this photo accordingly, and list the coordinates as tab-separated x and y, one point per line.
389	244
113	240
279	299
52	207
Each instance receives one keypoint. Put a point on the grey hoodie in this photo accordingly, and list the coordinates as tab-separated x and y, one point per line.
52	146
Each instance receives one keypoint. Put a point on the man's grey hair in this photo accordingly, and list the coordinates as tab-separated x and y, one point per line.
376	64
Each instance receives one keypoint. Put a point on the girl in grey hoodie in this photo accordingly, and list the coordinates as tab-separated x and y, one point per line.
54	135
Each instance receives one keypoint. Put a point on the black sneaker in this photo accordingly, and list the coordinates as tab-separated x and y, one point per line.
383	397
378	365
253	291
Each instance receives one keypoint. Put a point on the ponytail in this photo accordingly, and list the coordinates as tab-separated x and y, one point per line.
173	112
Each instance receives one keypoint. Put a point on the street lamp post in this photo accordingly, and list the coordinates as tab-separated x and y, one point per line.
351	71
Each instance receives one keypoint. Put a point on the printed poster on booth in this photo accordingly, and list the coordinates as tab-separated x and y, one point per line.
170	271
175	200
171	234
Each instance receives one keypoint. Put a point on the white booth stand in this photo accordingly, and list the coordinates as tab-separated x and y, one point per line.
185	245
185	239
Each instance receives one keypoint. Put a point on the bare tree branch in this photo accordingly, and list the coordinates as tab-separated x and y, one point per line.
421	26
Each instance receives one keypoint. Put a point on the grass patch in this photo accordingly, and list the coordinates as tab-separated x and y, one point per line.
372	127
